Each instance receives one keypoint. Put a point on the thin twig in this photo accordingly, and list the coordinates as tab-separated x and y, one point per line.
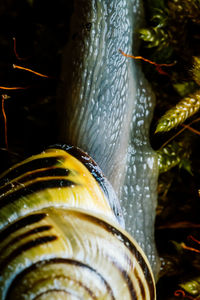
158	66
29	70
3	98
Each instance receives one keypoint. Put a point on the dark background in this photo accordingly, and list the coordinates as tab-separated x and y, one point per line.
41	30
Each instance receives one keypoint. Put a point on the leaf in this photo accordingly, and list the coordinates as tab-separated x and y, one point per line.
155	37
185	164
185	88
187	107
172	155
178	247
192	286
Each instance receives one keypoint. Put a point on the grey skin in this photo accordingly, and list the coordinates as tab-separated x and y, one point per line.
106	108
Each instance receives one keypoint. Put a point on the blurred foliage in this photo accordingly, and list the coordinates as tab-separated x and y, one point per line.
174	154
157	36
185	88
192	286
185	10
172	34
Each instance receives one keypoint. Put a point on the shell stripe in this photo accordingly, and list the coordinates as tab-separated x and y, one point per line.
139	258
31	165
39	264
27	246
33	188
29	220
90	292
24	235
89	163
67	293
55	178
134	250
135	284
55	162
124	274
127	279
85	159
122	271
98	175
142	290
34	175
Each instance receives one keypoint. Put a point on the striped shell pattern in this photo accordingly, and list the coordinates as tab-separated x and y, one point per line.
62	236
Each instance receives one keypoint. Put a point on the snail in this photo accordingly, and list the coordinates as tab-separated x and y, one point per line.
61	233
106	105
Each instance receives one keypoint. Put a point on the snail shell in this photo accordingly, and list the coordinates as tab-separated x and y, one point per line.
60	236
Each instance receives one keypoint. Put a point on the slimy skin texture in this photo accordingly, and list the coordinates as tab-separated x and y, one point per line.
106	107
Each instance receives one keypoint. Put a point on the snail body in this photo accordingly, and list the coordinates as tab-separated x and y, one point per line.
61	236
106	107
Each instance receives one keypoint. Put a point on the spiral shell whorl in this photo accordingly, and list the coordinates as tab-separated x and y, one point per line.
60	237
75	253
54	178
